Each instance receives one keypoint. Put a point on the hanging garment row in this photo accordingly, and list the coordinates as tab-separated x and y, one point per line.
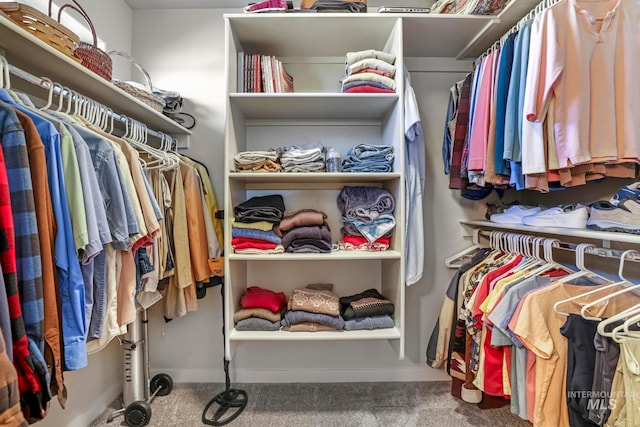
94	228
557	343
552	104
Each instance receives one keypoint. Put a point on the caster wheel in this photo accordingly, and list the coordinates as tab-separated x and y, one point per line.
161	382
138	414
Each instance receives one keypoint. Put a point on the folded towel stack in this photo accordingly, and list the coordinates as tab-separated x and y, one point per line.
367	214
257	161
369	71
369	158
252	229
304	158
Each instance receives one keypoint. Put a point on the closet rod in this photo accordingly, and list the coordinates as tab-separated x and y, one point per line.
595	250
63	91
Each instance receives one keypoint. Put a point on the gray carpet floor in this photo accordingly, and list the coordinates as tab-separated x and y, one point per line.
400	404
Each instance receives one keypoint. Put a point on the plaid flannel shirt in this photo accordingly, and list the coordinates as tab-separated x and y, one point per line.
10	414
456	180
27	250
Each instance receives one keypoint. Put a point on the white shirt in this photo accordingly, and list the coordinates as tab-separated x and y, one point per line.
415	170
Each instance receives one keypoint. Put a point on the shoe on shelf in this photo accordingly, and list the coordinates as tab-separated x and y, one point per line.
514	214
631	191
623	217
564	216
266	6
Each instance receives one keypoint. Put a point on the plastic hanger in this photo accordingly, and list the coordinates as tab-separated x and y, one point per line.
582	271
620	332
51	86
628	286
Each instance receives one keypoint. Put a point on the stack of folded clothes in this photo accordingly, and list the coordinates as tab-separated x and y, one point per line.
366	310
367	214
261	310
369	158
369	71
252	225
305	231
257	161
313	308
304	158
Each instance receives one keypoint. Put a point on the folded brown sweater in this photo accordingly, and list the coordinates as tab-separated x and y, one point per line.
262	313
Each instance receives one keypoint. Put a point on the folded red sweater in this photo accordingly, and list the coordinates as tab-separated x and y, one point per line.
368	89
257	297
361	240
248	243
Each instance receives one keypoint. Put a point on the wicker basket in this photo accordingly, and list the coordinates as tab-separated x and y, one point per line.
90	55
43	27
143	93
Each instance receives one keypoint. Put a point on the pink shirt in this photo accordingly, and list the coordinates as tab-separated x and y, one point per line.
577	62
480	127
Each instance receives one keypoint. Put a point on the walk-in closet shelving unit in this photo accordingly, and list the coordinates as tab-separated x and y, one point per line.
313	51
27	52
313	48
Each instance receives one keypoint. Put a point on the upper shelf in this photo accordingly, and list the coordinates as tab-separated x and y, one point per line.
29	53
425	35
293	106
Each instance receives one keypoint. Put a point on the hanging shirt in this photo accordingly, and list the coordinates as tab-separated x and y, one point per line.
70	279
27	379
480	127
456	181
415	171
503	82
576	59
46	233
538	327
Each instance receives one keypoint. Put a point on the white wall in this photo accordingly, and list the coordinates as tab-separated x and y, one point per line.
190	58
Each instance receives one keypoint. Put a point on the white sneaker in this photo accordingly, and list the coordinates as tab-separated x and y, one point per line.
566	216
514	214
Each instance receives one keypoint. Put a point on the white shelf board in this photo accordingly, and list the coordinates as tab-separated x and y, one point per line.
27	52
312	177
558	231
333	256
294	106
442	35
374	334
297	34
425	35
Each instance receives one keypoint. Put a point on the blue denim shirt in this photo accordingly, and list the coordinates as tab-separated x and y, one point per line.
70	279
108	177
111	186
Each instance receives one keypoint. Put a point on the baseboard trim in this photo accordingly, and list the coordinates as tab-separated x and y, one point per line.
97	407
307	375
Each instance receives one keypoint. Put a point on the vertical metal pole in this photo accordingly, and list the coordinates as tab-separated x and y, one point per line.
133	389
